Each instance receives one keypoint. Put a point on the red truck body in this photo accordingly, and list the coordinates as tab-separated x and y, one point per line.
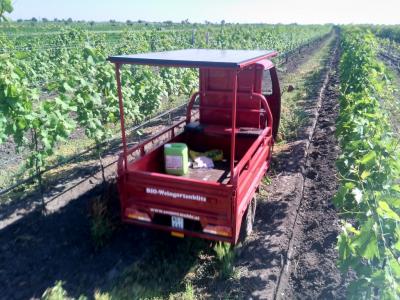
234	115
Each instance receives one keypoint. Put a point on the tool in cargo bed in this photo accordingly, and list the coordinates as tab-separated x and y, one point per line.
235	116
202	162
215	154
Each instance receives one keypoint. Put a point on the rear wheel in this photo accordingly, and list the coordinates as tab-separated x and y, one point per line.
248	220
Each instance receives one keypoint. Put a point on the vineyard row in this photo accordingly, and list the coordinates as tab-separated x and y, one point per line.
369	193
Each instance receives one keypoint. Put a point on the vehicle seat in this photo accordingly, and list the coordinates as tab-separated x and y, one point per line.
194	127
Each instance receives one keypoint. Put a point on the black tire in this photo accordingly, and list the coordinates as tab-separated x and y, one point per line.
248	220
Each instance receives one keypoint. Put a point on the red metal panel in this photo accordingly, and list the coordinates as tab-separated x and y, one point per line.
216	97
256	60
185	232
274	101
214	209
248	185
233	133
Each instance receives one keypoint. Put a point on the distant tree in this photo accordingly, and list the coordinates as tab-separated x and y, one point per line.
45	20
91	23
55	20
20	20
5	7
34	20
69	20
129	22
222	22
186	21
169	23
112	21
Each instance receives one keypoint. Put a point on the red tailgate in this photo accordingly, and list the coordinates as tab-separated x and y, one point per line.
157	194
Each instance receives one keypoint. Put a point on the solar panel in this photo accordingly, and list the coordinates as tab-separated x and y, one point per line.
196	58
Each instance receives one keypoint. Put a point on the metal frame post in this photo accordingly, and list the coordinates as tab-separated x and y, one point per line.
121	113
233	133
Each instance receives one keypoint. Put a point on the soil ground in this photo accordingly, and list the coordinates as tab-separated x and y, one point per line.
312	269
290	254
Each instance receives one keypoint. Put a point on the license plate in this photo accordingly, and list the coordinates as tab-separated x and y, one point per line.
177	222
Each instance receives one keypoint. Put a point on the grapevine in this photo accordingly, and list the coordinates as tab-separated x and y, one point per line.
65	76
369	195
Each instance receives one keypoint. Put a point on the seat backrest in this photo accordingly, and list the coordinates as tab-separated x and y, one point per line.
216	93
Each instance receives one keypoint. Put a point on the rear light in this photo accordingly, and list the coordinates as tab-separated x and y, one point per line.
177	234
218	230
137	215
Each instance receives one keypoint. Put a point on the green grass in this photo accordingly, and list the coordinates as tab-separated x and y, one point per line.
225	256
390	103
305	81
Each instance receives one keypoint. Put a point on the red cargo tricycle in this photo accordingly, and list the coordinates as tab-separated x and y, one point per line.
238	113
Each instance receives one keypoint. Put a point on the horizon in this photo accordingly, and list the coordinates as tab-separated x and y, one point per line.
235	11
206	22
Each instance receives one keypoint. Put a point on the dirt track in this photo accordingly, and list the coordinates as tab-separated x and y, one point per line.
312	268
290	255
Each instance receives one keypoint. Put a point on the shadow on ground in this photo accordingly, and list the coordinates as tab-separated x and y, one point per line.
37	250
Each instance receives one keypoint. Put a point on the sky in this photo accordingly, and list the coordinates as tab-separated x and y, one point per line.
233	11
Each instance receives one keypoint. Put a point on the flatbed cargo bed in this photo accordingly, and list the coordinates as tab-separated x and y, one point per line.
220	173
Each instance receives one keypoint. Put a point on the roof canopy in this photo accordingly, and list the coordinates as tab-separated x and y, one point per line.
196	58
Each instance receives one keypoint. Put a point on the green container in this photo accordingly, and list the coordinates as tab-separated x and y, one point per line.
176	158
